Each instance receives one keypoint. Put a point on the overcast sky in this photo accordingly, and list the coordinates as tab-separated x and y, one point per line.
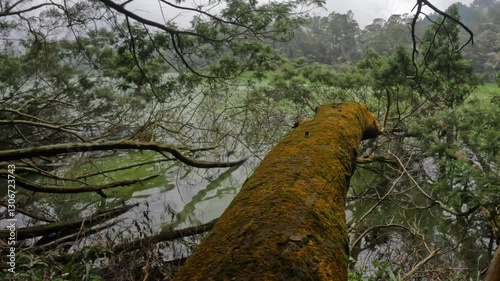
365	11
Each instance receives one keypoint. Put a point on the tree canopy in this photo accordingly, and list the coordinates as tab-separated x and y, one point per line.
116	126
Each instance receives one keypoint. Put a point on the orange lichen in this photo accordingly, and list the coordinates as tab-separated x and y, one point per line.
288	220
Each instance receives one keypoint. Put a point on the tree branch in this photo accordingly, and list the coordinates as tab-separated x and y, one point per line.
96	218
120	9
44	125
445	15
435	201
382	159
29	185
167	236
422	262
51	150
28	213
32	8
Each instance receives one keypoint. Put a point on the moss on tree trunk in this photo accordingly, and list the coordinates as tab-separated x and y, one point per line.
288	220
493	273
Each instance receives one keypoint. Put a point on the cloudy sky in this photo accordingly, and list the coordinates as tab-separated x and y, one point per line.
367	10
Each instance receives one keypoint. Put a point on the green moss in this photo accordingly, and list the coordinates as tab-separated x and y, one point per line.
272	203
288	221
253	186
318	221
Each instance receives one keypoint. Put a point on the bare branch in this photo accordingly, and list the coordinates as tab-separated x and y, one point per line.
29	185
368	160
360	237
120	9
19	12
97	218
435	201
44	125
123	168
28	213
445	15
134	55
72	237
51	150
431	255
166	236
395	182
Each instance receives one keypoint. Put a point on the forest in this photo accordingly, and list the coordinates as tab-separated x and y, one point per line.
125	134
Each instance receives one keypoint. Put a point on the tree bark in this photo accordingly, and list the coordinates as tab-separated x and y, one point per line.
493	273
288	220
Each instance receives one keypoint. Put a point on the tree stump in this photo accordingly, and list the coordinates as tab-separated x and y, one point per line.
288	220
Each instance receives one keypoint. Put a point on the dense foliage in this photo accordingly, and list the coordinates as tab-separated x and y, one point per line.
337	39
83	82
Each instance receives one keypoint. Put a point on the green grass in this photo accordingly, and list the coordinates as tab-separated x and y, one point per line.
268	75
486	91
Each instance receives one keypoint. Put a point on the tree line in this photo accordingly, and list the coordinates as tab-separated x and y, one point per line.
338	40
84	80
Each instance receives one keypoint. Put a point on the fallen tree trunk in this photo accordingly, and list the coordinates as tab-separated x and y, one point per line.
493	273
288	220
